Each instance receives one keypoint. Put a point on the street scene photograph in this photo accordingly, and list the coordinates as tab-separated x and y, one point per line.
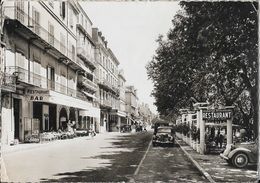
129	91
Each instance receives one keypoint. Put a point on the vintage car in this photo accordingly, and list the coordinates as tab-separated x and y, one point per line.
164	135
125	128
241	154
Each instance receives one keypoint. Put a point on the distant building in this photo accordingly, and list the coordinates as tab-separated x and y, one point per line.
121	113
107	79
131	104
88	119
145	114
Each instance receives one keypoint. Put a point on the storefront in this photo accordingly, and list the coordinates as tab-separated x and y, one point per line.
38	110
117	119
89	119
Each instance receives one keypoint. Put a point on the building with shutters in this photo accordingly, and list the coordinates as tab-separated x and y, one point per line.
107	79
50	52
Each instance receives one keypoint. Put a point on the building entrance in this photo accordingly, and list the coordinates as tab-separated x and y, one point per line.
17	103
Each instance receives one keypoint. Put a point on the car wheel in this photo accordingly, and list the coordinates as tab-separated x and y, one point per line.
240	160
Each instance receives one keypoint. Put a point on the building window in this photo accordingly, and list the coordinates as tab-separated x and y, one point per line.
73	52
50	78
37	72
82	20
62	43
71	18
36	21
51	34
86	25
62	9
51	3
20	10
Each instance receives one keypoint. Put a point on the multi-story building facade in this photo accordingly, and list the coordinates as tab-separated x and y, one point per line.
107	79
131	104
89	119
145	114
43	53
122	100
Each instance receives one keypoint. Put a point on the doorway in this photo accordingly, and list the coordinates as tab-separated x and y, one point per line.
17	103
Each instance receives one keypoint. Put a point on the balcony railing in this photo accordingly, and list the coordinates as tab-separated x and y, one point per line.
81	51
86	82
31	78
28	21
106	103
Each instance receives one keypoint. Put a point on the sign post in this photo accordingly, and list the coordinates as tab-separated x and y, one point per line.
202	133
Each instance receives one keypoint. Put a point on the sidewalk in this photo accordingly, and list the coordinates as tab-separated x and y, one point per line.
27	146
216	169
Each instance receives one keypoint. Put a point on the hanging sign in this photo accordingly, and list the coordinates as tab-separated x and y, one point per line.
217	115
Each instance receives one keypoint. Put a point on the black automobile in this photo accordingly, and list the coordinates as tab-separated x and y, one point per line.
126	128
164	135
241	154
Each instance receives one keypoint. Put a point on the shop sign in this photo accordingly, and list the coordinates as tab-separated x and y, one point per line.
217	115
37	94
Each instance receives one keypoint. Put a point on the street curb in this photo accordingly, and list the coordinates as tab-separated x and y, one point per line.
196	164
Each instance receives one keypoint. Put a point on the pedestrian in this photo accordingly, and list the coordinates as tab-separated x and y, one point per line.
219	139
92	133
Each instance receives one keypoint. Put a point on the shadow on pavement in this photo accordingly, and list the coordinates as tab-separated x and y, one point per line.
122	162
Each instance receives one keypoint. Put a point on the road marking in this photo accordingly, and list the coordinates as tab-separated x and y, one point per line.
141	162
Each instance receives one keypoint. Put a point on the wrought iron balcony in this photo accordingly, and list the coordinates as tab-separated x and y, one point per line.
25	78
84	55
106	103
89	84
26	26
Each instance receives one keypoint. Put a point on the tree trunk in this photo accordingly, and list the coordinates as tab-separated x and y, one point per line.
254	101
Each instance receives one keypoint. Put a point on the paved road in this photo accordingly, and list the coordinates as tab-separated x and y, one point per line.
167	164
111	157
106	157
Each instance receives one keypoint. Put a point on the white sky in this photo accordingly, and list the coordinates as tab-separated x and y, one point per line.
131	29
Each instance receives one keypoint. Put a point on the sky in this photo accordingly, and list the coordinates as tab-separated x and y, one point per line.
131	29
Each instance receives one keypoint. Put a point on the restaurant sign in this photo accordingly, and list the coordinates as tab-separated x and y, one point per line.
217	115
37	94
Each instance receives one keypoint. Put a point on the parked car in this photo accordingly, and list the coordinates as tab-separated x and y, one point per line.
164	135
126	128
241	154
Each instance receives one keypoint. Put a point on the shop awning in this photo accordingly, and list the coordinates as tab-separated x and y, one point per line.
92	112
58	98
49	96
90	95
118	113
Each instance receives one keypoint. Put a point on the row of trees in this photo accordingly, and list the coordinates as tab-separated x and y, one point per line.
210	54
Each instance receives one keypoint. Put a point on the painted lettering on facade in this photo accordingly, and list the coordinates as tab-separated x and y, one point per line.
36	94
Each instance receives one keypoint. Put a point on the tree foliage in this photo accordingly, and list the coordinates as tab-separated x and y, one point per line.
210	53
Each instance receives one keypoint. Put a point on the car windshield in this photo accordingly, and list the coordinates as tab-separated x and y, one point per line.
164	130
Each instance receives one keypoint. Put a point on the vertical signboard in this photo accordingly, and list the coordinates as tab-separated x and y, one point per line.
31	130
